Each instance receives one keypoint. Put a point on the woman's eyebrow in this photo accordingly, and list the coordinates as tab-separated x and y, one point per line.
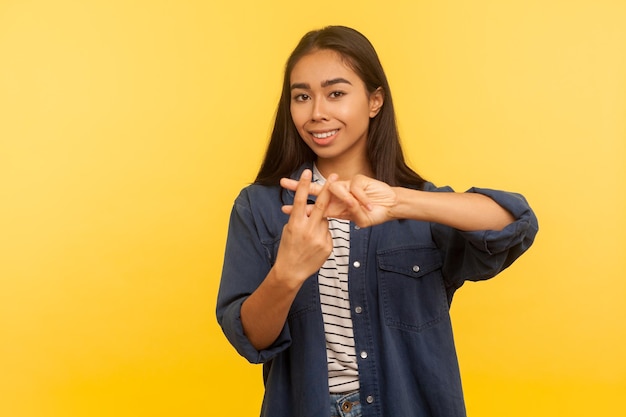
335	81
306	86
302	86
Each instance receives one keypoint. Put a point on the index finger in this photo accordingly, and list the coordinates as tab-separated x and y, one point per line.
302	194
292	185
323	198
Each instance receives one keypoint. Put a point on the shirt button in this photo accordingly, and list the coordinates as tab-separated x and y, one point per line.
358	309
369	399
416	268
356	264
364	354
356	227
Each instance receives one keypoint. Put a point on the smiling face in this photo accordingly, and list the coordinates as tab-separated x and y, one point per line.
331	109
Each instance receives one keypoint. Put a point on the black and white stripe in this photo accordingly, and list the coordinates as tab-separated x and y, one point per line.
343	375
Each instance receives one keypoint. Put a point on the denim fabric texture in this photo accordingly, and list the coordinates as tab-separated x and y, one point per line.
345	405
402	277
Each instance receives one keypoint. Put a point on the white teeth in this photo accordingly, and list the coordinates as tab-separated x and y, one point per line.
324	135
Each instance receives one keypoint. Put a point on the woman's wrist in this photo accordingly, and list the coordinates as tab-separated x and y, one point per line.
406	205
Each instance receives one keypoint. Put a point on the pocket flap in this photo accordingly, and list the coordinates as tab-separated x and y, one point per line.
410	261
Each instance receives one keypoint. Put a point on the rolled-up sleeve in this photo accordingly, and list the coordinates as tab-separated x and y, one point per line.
247	261
480	255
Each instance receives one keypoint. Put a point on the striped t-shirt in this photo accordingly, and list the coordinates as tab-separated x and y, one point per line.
343	374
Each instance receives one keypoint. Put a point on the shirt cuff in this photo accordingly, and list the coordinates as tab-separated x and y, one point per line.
233	329
519	233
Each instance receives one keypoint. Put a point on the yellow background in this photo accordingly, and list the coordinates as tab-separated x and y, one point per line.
127	128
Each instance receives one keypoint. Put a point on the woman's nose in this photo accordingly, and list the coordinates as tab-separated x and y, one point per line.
319	110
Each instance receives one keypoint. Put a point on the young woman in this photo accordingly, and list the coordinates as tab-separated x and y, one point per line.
341	261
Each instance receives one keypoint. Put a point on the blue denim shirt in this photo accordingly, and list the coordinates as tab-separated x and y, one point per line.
402	277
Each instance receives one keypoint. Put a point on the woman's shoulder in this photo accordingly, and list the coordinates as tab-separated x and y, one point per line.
261	205
257	192
261	191
260	196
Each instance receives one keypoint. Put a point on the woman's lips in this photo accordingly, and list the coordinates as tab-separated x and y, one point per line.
324	138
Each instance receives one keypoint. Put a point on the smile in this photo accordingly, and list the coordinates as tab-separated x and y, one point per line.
324	135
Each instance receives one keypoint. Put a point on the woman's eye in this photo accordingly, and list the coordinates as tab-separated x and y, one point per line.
337	94
301	97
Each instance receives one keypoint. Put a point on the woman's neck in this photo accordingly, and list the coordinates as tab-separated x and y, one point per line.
345	170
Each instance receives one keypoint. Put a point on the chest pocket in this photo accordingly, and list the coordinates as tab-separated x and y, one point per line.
412	289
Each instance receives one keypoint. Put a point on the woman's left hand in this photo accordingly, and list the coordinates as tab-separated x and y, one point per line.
362	200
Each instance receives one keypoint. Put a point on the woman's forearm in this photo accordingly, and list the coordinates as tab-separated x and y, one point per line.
264	313
463	211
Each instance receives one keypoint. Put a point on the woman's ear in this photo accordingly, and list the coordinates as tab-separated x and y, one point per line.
377	98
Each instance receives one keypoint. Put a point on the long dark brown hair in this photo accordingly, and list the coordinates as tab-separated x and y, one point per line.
287	151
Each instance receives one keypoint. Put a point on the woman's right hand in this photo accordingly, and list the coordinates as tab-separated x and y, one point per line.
304	247
306	242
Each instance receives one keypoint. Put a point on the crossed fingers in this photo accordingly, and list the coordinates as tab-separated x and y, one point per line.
335	199
303	188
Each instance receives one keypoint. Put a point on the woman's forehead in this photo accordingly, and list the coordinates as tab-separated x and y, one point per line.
321	66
